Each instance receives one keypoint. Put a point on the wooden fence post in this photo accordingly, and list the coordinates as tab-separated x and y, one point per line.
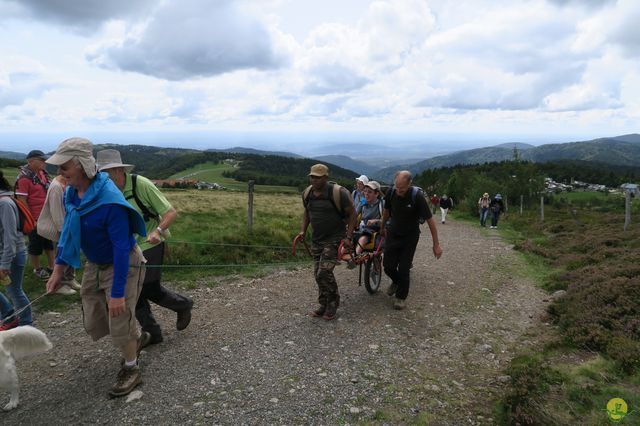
250	208
521	203
542	208
627	209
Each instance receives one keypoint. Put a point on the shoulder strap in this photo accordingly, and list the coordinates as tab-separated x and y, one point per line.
146	213
305	196
336	198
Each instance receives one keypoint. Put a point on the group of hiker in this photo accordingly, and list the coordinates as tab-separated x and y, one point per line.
120	221
398	222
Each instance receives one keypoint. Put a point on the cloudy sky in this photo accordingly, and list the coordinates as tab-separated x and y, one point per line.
467	69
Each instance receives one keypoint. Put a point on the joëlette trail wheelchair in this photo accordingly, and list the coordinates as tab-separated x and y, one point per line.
369	261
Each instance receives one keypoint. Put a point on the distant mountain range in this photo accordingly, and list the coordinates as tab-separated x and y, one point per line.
241	150
13	155
620	150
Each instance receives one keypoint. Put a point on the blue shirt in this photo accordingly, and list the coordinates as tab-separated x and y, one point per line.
107	239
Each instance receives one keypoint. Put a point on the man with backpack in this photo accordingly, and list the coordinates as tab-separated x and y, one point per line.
31	187
158	215
407	207
329	209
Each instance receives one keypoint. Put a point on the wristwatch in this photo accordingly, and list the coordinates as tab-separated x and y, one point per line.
160	231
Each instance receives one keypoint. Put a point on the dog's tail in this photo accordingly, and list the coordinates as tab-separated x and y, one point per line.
25	340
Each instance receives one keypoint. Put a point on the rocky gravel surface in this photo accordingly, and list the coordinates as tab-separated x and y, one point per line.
252	355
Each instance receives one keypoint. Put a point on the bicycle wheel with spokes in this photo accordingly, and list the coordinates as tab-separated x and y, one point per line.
373	274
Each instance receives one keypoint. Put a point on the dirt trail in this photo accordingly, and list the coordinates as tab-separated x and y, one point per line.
253	356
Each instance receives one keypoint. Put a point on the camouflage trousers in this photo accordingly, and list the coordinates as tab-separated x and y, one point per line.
325	256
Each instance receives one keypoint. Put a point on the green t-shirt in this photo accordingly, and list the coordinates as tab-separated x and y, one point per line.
153	200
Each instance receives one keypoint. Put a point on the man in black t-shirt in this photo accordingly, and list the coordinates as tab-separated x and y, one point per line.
333	218
406	206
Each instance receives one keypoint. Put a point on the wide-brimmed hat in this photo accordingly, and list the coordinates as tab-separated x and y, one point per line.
498	197
110	159
69	148
319	170
75	147
363	179
36	153
373	185
486	194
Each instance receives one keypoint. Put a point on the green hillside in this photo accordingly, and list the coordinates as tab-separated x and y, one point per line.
214	172
618	151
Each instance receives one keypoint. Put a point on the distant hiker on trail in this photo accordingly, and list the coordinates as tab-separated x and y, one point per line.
31	187
13	258
328	207
435	203
497	206
358	193
102	224
483	208
50	225
406	206
158	215
445	204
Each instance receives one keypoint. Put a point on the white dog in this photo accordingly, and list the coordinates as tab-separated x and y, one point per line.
17	343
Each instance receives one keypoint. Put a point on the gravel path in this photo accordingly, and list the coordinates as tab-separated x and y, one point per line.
252	355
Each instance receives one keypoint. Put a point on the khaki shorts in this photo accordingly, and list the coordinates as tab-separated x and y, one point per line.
96	292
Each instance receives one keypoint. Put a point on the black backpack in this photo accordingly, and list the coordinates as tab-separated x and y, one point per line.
414	194
146	212
334	198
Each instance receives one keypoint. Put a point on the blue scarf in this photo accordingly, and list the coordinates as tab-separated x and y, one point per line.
101	191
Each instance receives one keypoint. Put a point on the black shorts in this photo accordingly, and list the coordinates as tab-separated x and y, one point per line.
38	243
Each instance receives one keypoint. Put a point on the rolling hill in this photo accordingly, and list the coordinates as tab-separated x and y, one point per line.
620	150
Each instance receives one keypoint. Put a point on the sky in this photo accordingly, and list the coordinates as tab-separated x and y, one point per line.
293	73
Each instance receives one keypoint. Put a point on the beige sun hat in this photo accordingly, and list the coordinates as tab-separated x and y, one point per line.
80	148
319	170
373	185
110	159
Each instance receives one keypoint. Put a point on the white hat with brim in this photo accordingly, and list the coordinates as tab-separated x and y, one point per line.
80	148
69	148
110	159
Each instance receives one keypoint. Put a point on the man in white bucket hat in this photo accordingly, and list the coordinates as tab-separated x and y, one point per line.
158	215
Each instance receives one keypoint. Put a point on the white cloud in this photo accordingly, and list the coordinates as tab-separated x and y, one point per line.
193	38
21	79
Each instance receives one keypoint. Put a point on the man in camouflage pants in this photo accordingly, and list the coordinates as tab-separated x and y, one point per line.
333	217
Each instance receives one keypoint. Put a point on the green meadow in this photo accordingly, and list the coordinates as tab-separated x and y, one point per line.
213	172
211	239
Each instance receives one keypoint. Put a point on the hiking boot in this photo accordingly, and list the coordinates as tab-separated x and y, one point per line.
391	290
75	285
127	380
330	312
65	290
144	340
318	312
184	317
399	304
9	324
41	273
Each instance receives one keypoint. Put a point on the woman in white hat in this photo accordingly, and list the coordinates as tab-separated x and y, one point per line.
483	208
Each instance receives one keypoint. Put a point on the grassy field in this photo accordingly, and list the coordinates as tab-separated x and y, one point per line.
592	355
10	173
212	172
210	239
